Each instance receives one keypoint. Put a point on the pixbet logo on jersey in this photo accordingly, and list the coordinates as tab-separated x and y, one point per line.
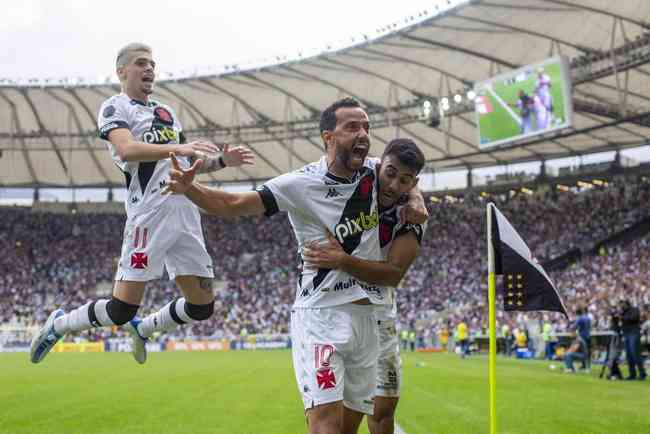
162	128
160	135
363	222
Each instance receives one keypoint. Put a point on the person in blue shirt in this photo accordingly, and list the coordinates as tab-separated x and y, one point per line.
583	330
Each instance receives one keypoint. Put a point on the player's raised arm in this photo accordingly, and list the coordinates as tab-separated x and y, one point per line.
331	255
129	149
212	200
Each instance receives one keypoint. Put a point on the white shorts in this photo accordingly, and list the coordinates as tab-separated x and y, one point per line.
389	364
168	236
335	353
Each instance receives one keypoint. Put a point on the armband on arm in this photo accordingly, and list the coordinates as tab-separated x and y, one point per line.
211	163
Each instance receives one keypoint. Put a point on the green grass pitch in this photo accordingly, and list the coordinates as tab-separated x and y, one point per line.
499	124
255	392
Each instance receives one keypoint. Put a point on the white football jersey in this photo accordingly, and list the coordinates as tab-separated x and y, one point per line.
316	200
150	122
391	226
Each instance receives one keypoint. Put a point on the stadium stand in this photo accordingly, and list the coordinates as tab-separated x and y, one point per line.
66	258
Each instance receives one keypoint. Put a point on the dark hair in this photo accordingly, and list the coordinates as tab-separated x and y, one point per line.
328	117
407	152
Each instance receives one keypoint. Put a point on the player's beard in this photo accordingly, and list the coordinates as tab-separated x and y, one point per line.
147	88
343	157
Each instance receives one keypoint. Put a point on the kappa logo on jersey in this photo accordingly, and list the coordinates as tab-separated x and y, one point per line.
415	228
139	260
332	192
354	226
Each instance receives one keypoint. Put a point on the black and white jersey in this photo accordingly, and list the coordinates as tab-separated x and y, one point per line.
391	227
152	122
316	200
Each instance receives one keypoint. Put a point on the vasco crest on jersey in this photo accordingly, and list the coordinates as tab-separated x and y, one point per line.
162	129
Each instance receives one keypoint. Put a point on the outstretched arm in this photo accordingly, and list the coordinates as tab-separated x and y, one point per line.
401	255
229	157
212	200
129	149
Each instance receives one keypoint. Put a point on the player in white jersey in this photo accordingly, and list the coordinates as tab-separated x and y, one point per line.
334	335
399	241
542	115
543	89
161	231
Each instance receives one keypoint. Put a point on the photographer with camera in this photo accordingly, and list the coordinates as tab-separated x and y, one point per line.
631	327
614	348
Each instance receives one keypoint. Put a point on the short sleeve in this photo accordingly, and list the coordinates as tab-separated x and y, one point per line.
284	193
111	117
417	230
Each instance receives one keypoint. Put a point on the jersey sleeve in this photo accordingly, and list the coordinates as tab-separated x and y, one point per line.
111	117
284	193
405	228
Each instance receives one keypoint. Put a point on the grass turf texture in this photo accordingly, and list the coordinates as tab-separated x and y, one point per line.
255	392
498	124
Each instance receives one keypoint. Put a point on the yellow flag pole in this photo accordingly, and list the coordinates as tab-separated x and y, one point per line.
492	323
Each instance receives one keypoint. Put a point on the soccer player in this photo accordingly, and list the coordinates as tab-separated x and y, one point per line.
400	243
542	115
463	338
525	104
333	329
161	230
543	89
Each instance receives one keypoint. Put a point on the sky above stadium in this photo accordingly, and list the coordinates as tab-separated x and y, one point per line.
80	38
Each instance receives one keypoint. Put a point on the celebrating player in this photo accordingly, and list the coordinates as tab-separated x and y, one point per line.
543	89
333	330
161	230
525	106
400	242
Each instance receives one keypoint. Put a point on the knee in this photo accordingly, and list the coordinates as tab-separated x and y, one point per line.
199	312
121	312
384	417
325	419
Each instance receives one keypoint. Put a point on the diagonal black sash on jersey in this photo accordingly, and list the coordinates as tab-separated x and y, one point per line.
359	202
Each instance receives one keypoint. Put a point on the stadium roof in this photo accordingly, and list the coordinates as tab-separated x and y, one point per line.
48	131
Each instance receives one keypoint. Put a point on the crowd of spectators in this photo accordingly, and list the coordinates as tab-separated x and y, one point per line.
64	260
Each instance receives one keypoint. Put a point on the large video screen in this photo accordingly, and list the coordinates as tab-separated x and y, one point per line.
523	103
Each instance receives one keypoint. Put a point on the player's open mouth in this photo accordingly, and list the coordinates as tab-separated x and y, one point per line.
359	151
147	79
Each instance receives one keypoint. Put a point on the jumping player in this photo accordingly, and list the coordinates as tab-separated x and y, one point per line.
161	230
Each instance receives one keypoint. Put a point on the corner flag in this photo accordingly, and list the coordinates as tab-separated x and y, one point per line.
526	286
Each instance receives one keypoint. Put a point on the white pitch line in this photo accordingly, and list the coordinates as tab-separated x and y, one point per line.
398	429
505	105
